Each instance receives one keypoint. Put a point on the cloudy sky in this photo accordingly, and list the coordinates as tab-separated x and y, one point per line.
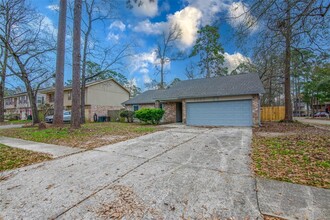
144	25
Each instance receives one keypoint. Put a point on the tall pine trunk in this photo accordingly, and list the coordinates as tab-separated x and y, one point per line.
83	71
76	55
287	65
82	98
59	81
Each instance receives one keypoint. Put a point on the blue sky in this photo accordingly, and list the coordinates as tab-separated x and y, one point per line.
143	26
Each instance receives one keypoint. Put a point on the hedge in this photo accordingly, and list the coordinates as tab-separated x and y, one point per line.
150	115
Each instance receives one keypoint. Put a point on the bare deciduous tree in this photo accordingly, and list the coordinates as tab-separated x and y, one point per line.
290	25
167	50
28	44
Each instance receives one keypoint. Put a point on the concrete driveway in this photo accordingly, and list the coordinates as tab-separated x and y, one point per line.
182	173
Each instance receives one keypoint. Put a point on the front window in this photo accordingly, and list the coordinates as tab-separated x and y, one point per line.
51	97
135	107
161	106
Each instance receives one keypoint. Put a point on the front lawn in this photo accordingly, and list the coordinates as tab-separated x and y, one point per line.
11	158
16	122
89	136
292	152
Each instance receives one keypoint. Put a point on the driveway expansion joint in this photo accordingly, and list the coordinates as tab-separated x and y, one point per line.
120	177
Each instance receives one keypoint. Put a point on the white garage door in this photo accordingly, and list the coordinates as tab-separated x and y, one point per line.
224	113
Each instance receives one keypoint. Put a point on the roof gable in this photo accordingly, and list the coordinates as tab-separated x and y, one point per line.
243	84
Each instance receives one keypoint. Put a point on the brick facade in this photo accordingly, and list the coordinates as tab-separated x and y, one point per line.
169	108
130	107
184	112
255	110
99	110
170	112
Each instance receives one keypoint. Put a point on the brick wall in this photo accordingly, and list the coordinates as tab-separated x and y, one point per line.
255	110
184	112
130	107
169	108
101	110
170	112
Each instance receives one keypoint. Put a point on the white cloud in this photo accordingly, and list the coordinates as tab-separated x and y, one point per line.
233	60
239	15
188	19
113	37
150	28
53	7
209	8
143	61
146	9
48	25
118	24
146	79
141	65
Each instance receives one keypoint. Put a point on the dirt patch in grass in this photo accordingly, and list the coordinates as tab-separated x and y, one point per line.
11	158
89	136
301	154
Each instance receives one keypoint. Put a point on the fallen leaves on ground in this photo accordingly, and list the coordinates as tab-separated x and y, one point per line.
89	136
302	156
11	158
127	205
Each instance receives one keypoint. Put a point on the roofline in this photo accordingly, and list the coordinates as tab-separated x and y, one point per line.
190	97
88	85
138	103
202	97
20	94
15	95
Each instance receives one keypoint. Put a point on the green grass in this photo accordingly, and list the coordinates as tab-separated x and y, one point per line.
301	157
90	135
286	159
11	158
16	122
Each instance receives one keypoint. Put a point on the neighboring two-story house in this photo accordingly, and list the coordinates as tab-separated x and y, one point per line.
100	96
19	104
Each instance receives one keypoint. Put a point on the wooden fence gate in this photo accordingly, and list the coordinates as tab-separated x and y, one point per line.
273	113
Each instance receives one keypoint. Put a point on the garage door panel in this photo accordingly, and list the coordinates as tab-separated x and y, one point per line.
226	113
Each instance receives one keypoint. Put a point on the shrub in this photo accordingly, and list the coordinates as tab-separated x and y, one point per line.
128	115
150	115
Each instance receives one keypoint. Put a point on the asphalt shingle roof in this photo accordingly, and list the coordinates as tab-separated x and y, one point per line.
243	84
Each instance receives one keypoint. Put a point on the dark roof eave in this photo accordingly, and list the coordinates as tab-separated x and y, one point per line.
137	103
203	97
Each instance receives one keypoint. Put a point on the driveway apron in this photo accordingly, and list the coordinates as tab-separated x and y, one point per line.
182	172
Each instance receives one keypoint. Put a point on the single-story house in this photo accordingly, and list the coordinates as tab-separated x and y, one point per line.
100	97
223	101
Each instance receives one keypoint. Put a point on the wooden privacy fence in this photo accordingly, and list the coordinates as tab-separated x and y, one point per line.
273	113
